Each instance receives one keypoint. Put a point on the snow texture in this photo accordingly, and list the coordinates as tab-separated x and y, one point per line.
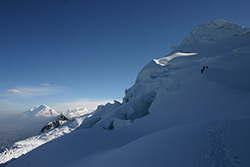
214	31
174	115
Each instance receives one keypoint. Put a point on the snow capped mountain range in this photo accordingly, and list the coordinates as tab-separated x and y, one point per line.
190	108
22	147
77	112
48	115
45	111
41	111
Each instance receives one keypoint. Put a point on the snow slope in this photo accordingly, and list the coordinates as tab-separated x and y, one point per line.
25	124
173	115
39	117
22	147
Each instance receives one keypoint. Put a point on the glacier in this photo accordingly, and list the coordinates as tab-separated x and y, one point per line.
173	115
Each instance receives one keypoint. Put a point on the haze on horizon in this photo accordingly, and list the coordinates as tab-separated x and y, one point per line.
76	53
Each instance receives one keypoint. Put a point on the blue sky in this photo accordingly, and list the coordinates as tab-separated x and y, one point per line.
77	53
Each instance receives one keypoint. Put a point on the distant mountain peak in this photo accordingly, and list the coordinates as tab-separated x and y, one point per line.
214	31
42	106
77	112
41	111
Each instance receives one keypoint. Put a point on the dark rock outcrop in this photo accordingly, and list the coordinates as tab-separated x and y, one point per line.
55	123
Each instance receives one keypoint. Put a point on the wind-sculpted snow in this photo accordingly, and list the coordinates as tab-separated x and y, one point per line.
232	80
198	145
184	110
228	53
121	115
161	73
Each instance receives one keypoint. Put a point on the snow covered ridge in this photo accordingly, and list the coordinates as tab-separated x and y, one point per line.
55	125
22	147
225	40
214	31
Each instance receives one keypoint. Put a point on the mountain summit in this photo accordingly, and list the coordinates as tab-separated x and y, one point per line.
213	31
41	111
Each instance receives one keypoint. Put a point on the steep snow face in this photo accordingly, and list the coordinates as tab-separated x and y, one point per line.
41	111
214	31
161	74
115	116
227	54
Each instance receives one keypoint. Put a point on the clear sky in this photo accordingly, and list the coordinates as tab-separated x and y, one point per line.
77	53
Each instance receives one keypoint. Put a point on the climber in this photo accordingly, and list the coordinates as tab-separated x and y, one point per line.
203	68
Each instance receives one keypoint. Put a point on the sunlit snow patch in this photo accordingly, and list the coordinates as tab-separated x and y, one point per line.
22	147
164	61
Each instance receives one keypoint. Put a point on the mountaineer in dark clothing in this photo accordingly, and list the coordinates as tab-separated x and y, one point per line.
203	68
